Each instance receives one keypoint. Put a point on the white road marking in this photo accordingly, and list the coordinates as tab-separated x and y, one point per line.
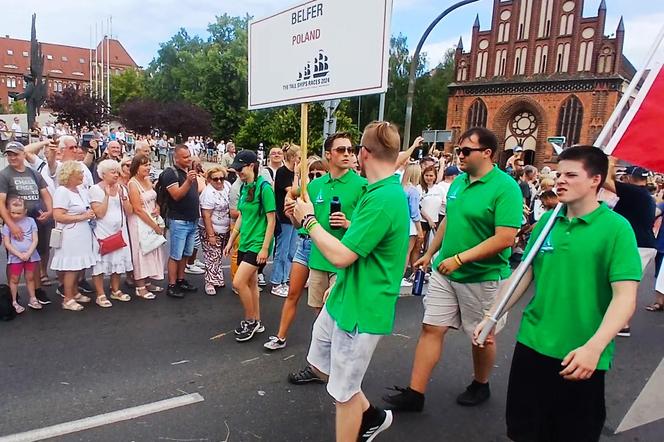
103	419
649	406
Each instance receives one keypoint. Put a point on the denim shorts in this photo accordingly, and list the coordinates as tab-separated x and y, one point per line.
303	250
183	234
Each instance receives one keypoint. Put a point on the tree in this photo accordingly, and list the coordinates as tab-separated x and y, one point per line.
18	107
174	118
77	108
129	85
140	115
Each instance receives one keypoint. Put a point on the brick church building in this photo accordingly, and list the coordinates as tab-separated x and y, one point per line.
541	70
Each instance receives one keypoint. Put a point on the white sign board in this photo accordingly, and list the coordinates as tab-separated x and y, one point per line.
319	50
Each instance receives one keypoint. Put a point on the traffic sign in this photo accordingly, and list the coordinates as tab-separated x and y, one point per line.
557	140
437	136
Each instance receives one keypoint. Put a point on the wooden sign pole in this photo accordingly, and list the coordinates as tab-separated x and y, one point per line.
304	170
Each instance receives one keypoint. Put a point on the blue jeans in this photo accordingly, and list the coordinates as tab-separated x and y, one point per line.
283	254
183	237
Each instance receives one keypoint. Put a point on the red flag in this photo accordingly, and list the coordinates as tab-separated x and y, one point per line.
638	139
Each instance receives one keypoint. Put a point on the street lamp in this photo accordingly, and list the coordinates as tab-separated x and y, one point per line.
413	69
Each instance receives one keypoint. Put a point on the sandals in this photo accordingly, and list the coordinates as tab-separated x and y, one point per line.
102	301
34	304
18	307
146	293
72	305
154	288
119	296
655	307
81	298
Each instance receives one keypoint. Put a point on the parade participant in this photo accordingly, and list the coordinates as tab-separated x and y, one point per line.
431	202
585	291
484	207
411	179
344	184
255	227
361	305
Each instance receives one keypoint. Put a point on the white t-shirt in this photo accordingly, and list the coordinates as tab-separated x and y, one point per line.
87	176
16	128
445	187
219	202
432	201
41	167
48	130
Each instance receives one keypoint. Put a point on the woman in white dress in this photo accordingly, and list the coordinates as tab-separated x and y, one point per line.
110	202
72	214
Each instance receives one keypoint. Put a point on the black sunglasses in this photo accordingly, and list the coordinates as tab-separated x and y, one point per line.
466	151
344	149
313	175
217	179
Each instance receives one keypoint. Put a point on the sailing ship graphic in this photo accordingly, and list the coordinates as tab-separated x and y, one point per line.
320	67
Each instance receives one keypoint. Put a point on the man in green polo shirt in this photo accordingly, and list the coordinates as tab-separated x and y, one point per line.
343	183
484	210
586	277
361	305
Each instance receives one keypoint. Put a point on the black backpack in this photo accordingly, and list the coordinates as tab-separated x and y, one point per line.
7	312
163	197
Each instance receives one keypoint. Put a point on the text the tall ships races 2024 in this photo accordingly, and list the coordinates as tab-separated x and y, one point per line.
303	15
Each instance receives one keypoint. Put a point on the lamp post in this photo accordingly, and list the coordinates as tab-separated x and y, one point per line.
413	69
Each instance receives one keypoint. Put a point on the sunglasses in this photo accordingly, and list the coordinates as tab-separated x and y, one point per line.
344	149
317	174
217	179
466	151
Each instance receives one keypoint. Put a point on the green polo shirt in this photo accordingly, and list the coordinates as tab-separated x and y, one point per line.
573	272
254	219
349	188
474	210
366	292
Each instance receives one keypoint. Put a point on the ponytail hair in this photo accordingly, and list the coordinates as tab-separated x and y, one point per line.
382	140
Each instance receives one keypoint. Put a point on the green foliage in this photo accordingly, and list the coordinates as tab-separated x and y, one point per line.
18	107
127	86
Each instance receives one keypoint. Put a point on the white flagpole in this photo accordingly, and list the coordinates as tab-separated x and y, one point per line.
96	73
527	261
90	61
101	95
108	67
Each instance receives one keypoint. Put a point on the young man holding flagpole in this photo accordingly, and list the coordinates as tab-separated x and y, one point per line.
585	291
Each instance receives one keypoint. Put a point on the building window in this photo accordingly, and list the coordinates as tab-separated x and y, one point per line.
546	11
520	61
605	61
501	62
562	57
503	32
585	56
566	24
570	120
11	82
482	60
462	71
541	56
477	114
49	57
81	60
10	52
25	53
64	58
522	130
525	11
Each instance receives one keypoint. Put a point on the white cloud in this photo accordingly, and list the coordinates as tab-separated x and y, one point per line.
640	32
436	50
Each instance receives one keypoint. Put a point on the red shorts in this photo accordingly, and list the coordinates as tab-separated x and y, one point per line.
16	268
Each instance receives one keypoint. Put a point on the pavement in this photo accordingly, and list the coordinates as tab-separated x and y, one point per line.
170	370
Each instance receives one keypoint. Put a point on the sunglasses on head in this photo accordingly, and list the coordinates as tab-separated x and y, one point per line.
217	179
466	151
344	149
316	174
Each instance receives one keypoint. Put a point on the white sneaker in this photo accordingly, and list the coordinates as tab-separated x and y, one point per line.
199	264
192	269
405	282
261	280
278	290
284	291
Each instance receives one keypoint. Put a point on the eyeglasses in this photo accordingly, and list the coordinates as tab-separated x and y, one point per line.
466	151
314	175
217	179
360	146
344	149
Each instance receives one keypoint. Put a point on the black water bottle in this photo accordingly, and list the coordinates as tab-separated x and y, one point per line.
418	283
335	206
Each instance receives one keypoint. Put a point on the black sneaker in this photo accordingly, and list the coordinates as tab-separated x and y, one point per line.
260	328
625	332
184	286
475	394
240	328
174	291
60	291
248	332
369	431
85	287
406	399
305	376
42	297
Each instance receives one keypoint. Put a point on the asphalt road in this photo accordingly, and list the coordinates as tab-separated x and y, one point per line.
58	366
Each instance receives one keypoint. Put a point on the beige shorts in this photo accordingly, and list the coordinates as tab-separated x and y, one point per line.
647	255
458	305
319	282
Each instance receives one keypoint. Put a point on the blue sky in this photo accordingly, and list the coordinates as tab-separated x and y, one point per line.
141	26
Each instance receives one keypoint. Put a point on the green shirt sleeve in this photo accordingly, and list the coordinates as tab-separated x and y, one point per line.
267	199
368	228
625	261
509	207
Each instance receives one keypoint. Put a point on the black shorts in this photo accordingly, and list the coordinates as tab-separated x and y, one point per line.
544	407
249	258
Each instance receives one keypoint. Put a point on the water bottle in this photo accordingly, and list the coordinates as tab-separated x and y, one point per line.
418	283
335	206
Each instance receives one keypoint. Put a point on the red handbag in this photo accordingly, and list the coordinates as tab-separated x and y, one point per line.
111	243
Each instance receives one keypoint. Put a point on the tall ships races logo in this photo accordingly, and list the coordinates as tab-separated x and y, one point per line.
315	73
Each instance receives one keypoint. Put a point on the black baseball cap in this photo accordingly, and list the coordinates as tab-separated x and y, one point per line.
14	146
451	171
637	172
244	158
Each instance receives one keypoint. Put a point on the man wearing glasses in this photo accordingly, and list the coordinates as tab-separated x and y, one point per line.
483	215
346	185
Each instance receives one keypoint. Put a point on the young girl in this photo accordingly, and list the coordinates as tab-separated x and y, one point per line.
255	227
410	181
23	256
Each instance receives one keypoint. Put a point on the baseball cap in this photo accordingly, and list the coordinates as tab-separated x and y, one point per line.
244	158
14	146
637	172
451	171
518	149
